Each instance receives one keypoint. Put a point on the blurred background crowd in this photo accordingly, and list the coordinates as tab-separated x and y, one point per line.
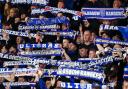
82	46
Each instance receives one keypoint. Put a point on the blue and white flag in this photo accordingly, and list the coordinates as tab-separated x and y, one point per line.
125	72
76	85
19	84
103	13
48	21
96	75
54	10
33	2
49	52
46	45
38	27
109	41
70	34
66	85
13	57
122	29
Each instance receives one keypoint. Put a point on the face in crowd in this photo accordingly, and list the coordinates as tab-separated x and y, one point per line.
83	52
65	43
87	36
125	84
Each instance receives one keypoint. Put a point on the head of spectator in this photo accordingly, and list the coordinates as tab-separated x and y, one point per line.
60	14
106	22
125	84
64	27
4	49
61	4
58	84
17	20
83	81
65	43
93	36
7	8
7	26
117	46
78	39
105	35
48	83
116	4
13	50
19	40
72	46
87	36
92	53
1	80
42	16
13	12
39	37
116	37
23	16
93	1
21	79
5	36
83	51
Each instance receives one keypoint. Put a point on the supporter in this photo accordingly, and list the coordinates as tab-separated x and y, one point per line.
83	51
65	43
92	53
4	49
116	4
13	50
1	81
125	84
61	4
82	46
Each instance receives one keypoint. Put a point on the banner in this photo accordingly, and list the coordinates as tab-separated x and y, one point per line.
122	29
18	84
36	61
70	34
48	21
11	32
103	13
33	2
38	27
50	52
104	61
93	75
5	72
12	57
109	41
99	76
85	86
46	45
76	86
96	64
48	8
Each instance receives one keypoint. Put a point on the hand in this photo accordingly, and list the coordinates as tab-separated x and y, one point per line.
80	28
53	81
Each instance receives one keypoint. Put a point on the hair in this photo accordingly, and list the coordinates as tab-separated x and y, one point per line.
60	0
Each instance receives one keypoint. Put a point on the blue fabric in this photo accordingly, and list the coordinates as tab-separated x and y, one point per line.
42	84
100	13
48	21
124	31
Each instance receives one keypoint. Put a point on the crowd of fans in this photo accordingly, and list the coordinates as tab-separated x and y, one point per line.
82	46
